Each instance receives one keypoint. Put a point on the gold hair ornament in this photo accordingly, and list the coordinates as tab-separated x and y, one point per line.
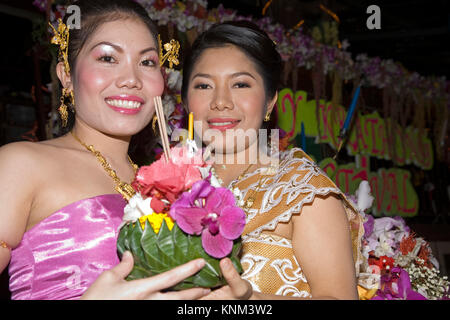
61	38
172	49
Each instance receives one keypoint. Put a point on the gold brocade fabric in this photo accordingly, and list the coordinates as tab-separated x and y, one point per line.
268	260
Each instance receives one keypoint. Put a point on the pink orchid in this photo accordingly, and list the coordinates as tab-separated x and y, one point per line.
211	212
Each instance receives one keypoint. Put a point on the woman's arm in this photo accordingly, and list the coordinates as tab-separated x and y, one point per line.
18	176
322	244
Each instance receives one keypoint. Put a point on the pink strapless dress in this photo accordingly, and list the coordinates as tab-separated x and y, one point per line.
61	256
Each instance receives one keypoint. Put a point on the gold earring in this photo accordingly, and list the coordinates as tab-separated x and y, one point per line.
267	117
63	108
155	118
72	101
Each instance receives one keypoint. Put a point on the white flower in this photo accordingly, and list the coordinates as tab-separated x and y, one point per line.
239	196
204	171
369	280
136	208
174	79
364	198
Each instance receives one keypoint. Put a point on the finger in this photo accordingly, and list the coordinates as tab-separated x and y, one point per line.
240	288
172	277
215	295
188	294
125	266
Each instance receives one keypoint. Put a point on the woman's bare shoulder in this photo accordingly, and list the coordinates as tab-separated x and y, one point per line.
19	153
26	158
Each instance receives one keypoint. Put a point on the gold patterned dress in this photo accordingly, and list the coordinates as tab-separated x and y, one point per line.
268	260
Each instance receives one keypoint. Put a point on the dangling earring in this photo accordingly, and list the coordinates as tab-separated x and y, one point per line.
155	118
63	107
267	118
72	101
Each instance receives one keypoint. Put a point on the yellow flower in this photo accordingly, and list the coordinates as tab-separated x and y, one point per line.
156	220
366	294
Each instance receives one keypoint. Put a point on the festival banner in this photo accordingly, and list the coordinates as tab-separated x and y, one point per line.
392	188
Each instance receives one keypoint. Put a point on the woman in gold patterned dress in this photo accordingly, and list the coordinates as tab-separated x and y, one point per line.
302	235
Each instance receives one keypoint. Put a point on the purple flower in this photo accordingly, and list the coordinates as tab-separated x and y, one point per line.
397	285
211	212
368	225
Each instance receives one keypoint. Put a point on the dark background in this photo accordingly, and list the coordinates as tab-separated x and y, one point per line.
415	33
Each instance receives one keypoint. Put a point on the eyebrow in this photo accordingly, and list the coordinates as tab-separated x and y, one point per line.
118	48
234	75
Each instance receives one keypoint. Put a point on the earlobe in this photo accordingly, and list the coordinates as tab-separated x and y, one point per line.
65	79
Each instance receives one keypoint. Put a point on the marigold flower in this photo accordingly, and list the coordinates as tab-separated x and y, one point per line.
156	220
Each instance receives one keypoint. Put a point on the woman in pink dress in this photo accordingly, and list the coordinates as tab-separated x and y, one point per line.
61	206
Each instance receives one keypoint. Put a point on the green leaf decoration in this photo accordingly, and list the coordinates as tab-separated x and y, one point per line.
148	245
180	245
121	241
139	273
166	247
135	245
156	253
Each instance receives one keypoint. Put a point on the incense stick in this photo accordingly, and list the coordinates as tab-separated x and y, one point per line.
166	136
162	126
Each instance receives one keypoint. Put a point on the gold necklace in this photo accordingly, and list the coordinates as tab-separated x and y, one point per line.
251	199
125	189
241	176
248	204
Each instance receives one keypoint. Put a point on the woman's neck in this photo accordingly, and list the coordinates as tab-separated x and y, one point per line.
229	166
109	146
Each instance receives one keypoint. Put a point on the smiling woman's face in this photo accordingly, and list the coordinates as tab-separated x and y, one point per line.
116	76
226	93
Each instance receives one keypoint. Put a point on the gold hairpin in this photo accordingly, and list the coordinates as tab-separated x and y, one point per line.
172	49
61	38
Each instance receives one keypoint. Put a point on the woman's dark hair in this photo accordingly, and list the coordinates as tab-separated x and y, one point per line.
247	37
93	13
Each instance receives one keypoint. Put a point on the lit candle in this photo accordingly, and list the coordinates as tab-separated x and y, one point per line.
191	126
